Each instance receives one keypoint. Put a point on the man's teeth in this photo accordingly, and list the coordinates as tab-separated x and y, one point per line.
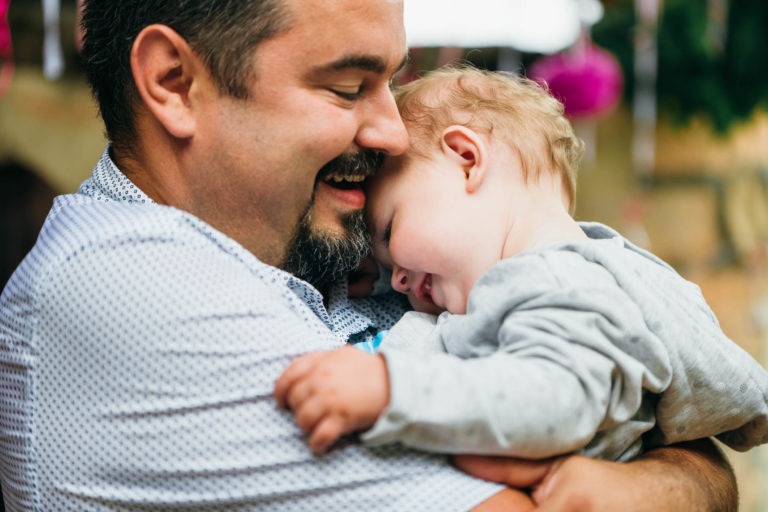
340	179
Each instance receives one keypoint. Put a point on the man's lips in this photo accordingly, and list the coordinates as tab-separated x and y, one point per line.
340	180
351	196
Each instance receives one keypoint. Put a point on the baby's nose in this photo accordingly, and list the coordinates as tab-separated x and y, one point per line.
400	279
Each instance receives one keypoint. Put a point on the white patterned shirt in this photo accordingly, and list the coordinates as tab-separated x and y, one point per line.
138	352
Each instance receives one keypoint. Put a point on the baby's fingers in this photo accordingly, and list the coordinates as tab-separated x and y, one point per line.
293	374
327	432
309	413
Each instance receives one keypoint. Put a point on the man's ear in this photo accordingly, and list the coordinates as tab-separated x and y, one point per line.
466	148
163	67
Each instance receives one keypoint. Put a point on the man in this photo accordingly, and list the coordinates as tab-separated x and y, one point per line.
140	340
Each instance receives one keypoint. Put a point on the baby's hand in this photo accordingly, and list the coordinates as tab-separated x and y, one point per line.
334	393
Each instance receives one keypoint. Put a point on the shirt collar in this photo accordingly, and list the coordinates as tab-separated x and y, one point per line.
108	183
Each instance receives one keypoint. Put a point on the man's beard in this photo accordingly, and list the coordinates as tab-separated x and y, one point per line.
322	259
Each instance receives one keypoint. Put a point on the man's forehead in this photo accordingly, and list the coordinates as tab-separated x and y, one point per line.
339	6
328	39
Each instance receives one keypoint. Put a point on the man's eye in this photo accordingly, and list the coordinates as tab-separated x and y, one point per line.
349	95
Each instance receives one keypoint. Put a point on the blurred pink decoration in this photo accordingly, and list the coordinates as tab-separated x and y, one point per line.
588	80
6	48
5	30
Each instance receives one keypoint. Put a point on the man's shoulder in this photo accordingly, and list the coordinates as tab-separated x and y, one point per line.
86	235
78	223
86	218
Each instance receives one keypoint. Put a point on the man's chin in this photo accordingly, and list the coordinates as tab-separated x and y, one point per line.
331	230
323	254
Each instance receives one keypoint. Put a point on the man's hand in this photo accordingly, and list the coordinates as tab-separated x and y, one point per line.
574	484
334	393
692	476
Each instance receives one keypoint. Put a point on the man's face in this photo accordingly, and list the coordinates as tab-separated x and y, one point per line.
320	90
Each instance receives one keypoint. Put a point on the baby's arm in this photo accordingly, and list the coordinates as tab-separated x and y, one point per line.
524	405
542	383
334	393
533	402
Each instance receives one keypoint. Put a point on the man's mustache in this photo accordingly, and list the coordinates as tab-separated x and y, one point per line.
362	163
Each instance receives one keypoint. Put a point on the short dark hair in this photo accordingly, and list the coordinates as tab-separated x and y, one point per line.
223	33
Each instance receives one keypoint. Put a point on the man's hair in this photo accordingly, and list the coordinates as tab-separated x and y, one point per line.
516	110
224	33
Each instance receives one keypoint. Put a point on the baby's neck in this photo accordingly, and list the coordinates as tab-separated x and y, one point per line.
544	225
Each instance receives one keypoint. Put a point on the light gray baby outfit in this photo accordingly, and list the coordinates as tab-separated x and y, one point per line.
594	346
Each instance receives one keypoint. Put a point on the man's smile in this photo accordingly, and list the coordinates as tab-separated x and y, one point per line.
343	181
342	178
346	193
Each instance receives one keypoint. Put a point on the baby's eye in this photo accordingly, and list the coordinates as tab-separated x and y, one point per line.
381	254
381	246
387	234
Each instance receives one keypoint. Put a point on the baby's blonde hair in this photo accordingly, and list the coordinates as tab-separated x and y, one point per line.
517	110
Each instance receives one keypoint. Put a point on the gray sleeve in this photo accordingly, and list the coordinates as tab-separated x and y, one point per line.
482	405
541	398
414	332
718	390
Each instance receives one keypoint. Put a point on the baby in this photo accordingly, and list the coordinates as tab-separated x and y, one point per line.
554	336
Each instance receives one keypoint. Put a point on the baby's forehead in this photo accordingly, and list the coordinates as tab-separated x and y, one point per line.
373	184
381	184
393	165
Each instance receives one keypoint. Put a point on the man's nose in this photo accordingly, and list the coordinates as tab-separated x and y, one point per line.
400	279
381	127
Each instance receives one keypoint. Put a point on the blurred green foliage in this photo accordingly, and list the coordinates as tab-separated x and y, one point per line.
711	64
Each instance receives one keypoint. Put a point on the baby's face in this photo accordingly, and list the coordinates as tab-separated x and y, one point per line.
419	215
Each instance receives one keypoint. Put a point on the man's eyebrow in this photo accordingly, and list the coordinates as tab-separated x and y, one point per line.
362	62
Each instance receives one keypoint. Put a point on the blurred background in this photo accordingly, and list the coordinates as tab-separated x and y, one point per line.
671	97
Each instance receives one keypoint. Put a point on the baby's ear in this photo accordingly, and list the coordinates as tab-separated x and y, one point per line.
466	148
